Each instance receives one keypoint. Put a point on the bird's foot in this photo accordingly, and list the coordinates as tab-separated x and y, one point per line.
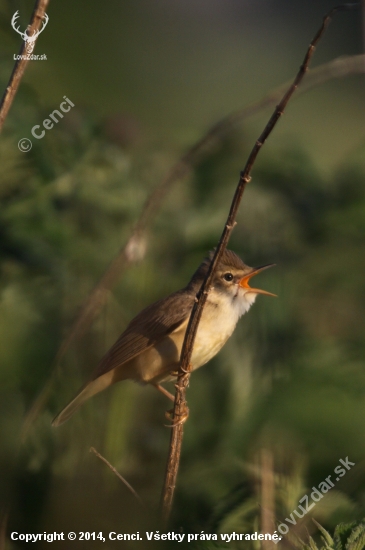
178	421
175	373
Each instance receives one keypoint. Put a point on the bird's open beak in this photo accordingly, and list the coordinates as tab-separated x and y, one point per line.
245	280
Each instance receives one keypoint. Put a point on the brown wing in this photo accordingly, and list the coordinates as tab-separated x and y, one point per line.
148	327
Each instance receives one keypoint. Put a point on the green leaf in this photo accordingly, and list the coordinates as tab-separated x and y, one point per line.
356	540
326	537
342	533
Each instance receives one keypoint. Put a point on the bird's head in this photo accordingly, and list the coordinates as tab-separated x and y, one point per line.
232	279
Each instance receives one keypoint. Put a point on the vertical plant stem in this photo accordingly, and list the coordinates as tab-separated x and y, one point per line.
21	64
180	408
186	352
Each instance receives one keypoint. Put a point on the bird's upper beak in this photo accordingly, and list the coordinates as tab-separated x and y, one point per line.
255	270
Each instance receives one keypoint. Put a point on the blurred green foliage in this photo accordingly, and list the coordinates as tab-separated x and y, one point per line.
350	536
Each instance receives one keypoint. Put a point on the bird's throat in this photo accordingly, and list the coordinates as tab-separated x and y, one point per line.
219	319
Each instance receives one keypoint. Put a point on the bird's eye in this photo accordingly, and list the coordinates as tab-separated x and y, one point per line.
228	277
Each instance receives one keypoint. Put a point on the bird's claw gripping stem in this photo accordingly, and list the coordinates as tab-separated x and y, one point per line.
180	413
183	418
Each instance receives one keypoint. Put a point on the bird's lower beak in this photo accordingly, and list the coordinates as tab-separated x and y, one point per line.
245	280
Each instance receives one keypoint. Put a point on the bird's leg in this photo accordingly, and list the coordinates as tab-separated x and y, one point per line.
182	411
168	414
165	392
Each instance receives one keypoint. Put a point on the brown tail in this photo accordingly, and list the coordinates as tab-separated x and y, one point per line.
93	387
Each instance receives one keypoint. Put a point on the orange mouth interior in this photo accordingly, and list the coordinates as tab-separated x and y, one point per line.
245	280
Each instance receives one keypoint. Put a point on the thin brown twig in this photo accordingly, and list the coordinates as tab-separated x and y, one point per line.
186	352
338	68
119	476
21	64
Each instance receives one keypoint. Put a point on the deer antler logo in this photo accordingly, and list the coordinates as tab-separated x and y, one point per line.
29	40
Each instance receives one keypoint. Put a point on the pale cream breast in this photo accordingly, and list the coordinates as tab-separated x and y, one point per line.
219	319
218	322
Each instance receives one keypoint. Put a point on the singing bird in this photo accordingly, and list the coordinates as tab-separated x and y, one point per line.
148	351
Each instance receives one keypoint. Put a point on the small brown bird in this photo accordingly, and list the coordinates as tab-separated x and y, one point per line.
149	349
